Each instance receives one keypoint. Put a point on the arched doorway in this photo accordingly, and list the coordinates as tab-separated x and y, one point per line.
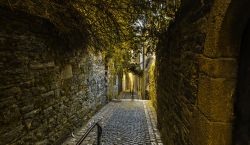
242	101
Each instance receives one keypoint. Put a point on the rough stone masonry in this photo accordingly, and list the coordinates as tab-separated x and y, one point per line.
47	88
197	72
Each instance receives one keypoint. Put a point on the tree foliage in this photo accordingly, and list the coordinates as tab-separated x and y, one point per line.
116	27
113	22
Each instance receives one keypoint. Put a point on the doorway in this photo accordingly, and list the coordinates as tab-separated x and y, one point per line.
242	103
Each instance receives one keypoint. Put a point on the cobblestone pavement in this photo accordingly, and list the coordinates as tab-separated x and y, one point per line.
124	122
128	95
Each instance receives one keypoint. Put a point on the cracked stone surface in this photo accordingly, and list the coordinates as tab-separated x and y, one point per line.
124	122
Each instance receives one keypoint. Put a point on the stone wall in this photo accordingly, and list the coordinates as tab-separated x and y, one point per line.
112	81
196	72
152	84
47	87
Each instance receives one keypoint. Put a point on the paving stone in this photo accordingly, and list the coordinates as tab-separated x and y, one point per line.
124	122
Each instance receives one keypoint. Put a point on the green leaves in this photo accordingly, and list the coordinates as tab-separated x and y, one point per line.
111	22
114	27
117	27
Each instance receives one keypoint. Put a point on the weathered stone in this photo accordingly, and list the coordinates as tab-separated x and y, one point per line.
57	93
28	123
14	91
216	96
197	68
10	114
27	108
31	114
5	102
219	68
48	94
12	135
38	90
211	46
36	65
67	72
44	142
210	133
42	88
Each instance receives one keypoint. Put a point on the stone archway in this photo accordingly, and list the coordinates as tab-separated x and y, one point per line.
219	67
234	42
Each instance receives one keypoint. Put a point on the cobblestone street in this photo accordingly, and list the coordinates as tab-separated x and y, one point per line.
124	122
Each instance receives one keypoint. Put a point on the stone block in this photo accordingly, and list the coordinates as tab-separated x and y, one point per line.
38	90
37	65
205	132
10	114
12	135
14	91
213	46
32	114
218	68
215	98
27	123
48	94
67	72
27	108
5	102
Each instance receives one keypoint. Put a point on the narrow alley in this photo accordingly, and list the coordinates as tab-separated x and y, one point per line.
124	72
124	122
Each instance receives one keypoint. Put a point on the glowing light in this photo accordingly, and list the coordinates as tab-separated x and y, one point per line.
131	78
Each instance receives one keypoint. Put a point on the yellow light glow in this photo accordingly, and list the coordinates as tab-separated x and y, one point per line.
131	78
